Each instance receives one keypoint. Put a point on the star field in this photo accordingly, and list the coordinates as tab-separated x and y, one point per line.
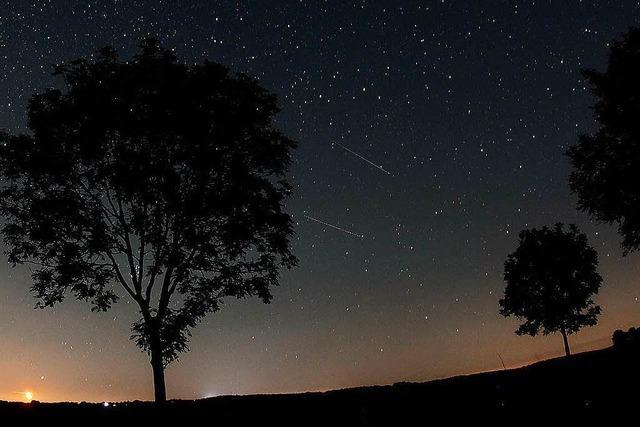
430	133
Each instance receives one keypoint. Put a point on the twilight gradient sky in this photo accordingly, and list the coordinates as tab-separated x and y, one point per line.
469	105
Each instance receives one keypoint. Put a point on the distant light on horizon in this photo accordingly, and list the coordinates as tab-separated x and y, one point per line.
28	396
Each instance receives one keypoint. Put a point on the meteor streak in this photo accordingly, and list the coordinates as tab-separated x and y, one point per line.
363	158
333	226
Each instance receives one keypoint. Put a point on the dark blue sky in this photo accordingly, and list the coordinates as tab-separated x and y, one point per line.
469	105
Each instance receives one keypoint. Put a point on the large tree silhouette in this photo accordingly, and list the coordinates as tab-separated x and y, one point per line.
163	178
551	279
606	164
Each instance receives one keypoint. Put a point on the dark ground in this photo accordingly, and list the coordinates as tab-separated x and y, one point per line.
596	383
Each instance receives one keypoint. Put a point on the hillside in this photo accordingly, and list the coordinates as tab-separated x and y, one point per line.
587	383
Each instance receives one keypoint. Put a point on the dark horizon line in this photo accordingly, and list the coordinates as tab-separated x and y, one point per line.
512	367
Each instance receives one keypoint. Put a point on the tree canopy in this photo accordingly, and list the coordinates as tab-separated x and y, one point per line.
606	163
165	178
551	279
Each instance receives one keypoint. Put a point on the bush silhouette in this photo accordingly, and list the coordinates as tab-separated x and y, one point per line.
626	340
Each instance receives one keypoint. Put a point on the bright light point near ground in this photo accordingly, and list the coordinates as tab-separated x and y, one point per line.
28	396
105	404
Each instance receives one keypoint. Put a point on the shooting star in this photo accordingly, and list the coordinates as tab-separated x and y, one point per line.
333	226
362	158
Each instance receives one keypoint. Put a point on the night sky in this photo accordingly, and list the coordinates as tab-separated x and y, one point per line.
430	133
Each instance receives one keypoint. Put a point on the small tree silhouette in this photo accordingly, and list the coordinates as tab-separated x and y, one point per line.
606	164
164	178
551	278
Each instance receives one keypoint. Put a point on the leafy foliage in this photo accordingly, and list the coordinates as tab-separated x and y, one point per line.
163	177
626	340
606	164
551	278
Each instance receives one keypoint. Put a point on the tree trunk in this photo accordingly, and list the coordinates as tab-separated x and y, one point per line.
157	364
567	352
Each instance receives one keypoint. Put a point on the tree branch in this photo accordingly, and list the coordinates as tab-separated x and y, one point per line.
156	262
121	278
129	250
141	254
